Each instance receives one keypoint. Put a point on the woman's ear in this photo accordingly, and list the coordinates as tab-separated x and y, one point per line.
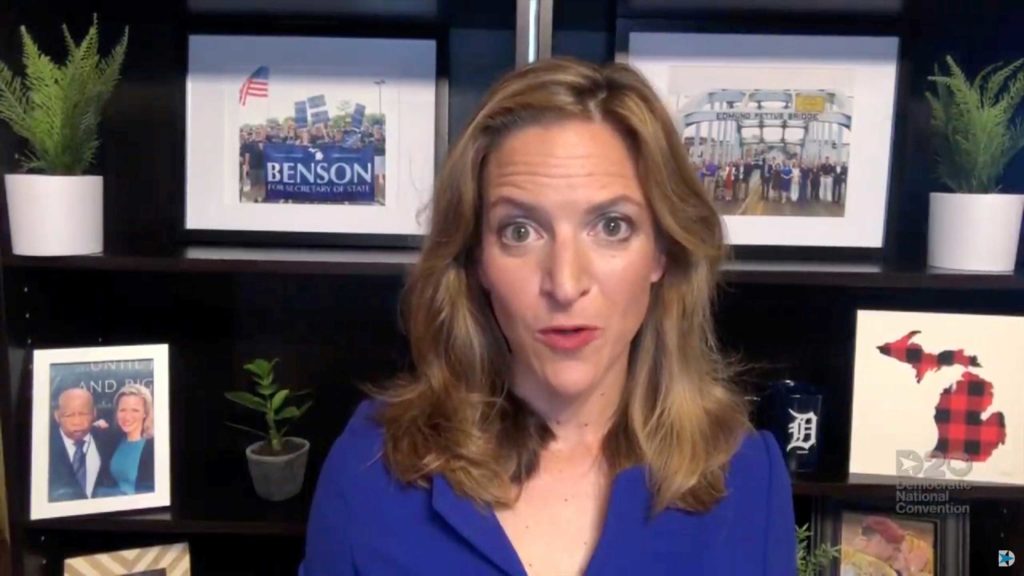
659	267
478	270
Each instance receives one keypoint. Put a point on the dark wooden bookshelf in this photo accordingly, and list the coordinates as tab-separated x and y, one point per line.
385	261
331	313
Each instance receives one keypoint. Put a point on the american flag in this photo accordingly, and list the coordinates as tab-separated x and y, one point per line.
257	85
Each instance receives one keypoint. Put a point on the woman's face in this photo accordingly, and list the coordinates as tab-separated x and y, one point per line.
568	253
131	413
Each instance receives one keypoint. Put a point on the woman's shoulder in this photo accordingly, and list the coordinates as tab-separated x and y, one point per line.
357	451
757	466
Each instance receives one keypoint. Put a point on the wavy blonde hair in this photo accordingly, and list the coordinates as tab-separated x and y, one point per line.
147	400
452	415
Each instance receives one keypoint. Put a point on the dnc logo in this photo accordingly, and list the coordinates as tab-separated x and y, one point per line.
1006	558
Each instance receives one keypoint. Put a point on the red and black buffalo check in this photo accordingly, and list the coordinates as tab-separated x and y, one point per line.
924	362
965	433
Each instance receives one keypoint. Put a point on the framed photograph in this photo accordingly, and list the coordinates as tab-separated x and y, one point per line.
331	139
100	430
790	135
167	560
937	396
880	541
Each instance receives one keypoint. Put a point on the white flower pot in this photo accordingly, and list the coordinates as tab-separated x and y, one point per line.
55	215
974	232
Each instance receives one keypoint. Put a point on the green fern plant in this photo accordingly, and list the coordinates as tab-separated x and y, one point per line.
975	133
57	107
808	562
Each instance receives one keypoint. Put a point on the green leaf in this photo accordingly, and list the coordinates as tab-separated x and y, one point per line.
293	412
261	368
289	412
267	390
279	399
247	400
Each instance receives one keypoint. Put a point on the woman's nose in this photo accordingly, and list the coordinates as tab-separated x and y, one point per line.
568	274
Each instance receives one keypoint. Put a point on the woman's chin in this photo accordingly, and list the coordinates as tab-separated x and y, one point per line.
570	383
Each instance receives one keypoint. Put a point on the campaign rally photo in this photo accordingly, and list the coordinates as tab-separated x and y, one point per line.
310	142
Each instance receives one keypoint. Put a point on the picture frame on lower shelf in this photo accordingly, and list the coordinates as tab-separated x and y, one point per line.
100	430
924	540
290	141
790	134
164	560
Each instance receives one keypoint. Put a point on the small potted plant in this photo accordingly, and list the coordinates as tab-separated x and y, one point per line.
277	464
975	227
54	207
810	563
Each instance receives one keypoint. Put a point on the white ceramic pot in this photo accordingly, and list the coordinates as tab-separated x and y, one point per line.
55	215
974	232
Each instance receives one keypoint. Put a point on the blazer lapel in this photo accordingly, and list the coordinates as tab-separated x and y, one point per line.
478	527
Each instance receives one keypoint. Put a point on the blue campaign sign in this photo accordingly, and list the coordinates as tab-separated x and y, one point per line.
301	115
320	117
329	174
357	116
318	101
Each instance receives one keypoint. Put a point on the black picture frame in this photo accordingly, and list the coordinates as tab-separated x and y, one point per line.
292	25
885	25
951	530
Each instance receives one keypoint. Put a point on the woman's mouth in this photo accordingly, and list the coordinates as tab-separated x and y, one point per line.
568	338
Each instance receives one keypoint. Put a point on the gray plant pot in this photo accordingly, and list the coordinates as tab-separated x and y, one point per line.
277	478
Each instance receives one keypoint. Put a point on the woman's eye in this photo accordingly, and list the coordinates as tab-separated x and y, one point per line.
616	228
516	233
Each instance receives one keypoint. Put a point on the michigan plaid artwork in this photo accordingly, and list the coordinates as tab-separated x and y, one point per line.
946	388
963	431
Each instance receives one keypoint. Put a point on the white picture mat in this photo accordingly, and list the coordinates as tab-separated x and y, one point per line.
217	67
869	62
891	411
42	418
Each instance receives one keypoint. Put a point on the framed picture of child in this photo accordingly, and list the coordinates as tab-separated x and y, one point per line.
100	430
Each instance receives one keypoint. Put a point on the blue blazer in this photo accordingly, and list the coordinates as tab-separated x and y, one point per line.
363	521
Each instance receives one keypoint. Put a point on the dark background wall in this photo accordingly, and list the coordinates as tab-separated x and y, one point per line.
335	330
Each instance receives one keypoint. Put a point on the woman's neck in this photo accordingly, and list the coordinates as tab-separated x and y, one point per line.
578	420
134	435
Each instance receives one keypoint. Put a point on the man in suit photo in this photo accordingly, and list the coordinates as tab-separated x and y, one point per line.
79	466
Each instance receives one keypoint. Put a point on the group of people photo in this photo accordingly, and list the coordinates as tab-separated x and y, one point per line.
773	186
95	455
254	137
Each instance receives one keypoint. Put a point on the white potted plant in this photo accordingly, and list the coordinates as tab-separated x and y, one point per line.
54	207
277	464
975	226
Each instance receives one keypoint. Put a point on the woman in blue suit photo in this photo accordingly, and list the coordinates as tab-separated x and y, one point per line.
569	411
130	442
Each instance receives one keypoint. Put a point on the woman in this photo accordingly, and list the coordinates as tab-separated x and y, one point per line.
569	412
132	462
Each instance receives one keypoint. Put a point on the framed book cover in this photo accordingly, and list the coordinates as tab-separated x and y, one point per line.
937	397
100	430
789	134
297	135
